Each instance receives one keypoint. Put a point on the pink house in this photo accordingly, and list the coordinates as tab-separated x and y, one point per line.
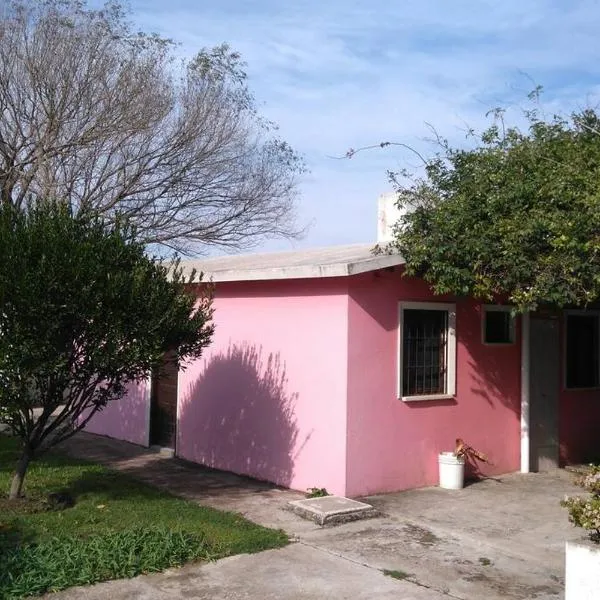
330	369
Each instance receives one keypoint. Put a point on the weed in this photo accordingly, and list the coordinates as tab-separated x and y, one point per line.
395	573
315	492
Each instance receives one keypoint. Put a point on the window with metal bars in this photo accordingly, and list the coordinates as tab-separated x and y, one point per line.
424	352
427	348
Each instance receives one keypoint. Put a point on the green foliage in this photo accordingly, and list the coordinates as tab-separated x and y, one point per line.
395	573
315	492
83	312
585	512
118	527
65	561
517	216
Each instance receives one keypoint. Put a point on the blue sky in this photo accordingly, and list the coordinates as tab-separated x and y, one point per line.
336	74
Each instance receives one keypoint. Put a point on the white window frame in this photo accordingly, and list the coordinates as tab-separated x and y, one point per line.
579	312
498	308
451	348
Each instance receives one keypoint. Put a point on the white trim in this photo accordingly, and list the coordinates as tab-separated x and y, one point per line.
525	379
583	313
512	329
450	345
427	398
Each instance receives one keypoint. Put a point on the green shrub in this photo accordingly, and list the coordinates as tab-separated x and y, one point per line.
60	562
585	512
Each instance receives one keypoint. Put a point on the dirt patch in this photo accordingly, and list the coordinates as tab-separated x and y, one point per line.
510	588
421	535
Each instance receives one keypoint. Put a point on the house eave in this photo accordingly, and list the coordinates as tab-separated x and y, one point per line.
309	270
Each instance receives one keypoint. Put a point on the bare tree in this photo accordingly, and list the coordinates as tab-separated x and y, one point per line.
110	121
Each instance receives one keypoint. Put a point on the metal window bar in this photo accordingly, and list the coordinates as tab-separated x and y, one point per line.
424	352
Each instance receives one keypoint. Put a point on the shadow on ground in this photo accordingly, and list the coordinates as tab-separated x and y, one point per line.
172	474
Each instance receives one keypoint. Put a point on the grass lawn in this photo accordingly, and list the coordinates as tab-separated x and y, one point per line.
117	528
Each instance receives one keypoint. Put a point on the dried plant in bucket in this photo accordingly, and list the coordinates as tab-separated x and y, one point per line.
468	453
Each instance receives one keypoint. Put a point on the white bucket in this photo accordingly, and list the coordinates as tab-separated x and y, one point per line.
452	471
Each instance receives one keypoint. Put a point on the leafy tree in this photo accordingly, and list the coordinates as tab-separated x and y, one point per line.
83	312
95	112
517	216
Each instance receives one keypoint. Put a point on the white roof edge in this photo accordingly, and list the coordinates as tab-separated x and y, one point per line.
379	261
306	271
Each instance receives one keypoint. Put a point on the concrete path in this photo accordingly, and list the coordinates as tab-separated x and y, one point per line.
294	572
497	539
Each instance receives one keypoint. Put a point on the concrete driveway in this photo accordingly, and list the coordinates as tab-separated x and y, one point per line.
501	538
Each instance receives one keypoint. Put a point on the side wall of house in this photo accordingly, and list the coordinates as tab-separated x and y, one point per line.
394	445
126	419
268	397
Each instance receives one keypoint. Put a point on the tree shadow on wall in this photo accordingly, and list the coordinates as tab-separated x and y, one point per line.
495	369
239	416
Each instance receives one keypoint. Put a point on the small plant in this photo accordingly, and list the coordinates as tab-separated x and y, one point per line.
468	453
315	492
585	511
395	574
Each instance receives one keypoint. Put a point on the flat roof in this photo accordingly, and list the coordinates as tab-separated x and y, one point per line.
334	261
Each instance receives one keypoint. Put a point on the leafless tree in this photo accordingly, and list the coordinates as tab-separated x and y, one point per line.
110	121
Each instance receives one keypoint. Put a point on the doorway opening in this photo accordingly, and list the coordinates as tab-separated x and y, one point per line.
163	406
544	392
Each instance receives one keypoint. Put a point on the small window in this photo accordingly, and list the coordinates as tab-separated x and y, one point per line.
427	351
498	325
583	351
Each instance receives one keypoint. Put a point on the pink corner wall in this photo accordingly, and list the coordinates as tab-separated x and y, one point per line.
268	398
125	419
394	445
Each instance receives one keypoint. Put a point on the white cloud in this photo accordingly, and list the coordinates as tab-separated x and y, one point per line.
336	75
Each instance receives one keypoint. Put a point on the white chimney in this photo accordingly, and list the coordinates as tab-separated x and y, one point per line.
387	215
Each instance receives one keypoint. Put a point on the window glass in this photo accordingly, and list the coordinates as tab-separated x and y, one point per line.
498	327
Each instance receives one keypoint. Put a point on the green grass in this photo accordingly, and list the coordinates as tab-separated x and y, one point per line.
118	527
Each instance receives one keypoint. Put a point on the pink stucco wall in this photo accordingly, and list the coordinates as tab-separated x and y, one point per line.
268	398
394	445
125	419
579	424
299	387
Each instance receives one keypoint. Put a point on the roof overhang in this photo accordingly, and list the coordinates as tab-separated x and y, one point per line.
336	261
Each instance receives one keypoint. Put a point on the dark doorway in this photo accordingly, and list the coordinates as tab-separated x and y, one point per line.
544	393
163	406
